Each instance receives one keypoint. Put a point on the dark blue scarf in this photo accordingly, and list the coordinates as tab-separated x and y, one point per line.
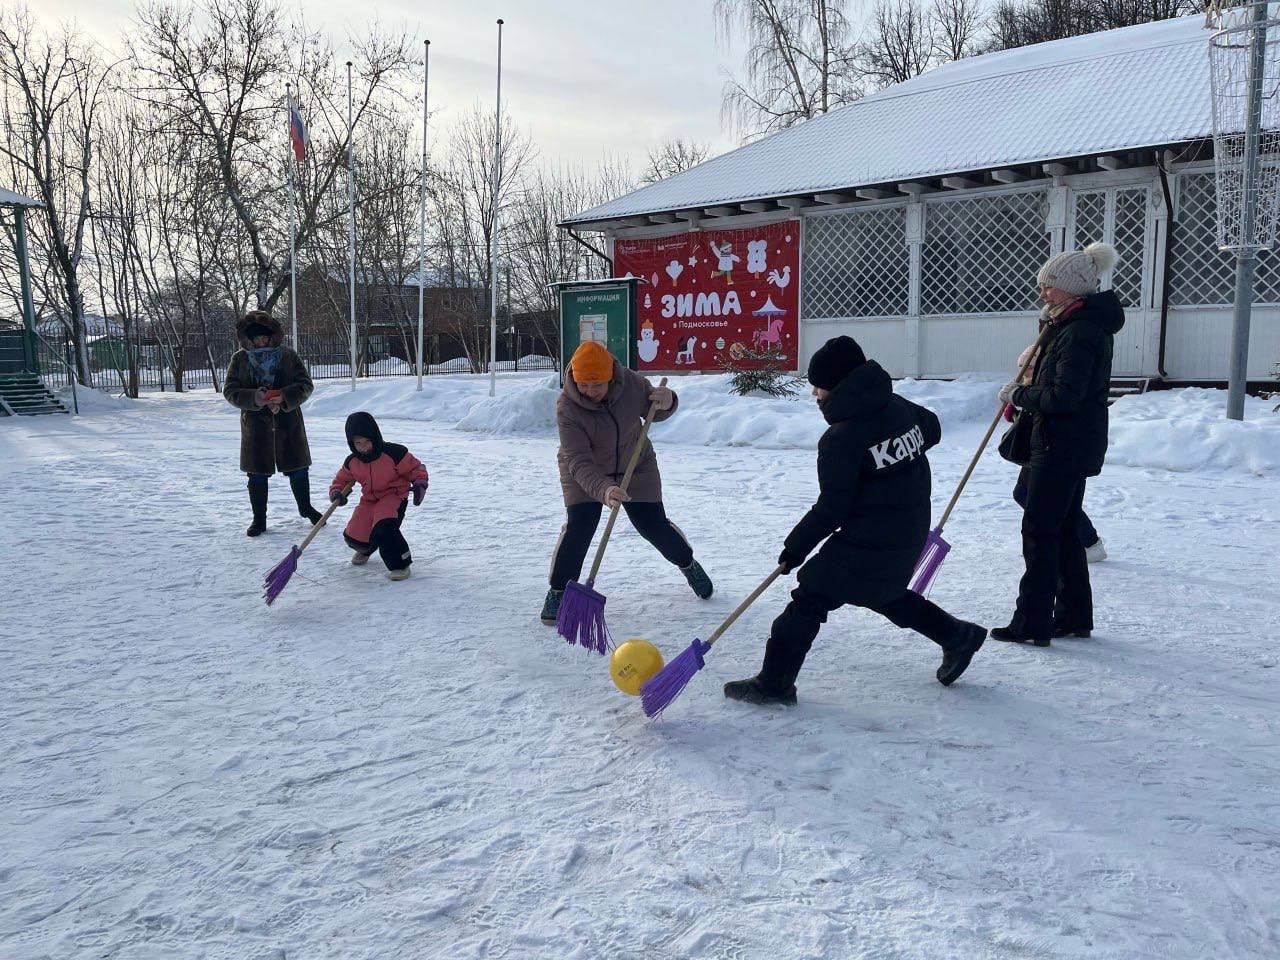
265	363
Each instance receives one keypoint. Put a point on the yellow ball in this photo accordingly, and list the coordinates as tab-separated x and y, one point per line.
633	664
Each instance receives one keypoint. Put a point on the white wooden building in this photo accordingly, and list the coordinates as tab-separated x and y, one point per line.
928	207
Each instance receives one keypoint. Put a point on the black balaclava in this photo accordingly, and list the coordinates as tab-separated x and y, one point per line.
361	424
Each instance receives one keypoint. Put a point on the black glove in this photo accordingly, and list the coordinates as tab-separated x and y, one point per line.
338	497
419	492
788	561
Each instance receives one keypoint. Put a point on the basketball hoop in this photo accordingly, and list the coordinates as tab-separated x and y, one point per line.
1244	71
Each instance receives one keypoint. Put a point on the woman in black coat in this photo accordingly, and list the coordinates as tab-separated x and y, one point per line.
1067	402
268	382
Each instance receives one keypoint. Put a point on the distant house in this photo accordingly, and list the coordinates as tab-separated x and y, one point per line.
926	209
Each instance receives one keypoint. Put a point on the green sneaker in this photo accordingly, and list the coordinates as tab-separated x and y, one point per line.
551	606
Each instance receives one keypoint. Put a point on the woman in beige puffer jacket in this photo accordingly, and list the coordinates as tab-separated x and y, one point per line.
600	417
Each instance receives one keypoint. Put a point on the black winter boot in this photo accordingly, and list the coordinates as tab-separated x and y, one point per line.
961	646
698	579
753	691
1012	634
258	500
551	606
300	484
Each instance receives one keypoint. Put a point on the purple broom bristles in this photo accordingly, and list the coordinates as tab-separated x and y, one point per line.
279	576
669	682
931	557
581	618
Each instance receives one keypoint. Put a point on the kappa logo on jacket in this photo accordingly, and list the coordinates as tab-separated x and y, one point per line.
908	446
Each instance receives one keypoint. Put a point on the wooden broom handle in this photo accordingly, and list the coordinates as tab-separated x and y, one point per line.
626	482
324	518
742	607
986	437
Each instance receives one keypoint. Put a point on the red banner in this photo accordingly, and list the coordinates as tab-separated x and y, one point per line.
715	293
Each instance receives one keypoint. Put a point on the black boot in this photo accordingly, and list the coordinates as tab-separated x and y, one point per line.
300	484
698	580
753	691
258	500
961	646
1012	634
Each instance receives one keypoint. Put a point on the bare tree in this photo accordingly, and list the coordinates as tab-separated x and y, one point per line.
52	91
798	62
1017	23
674	156
902	43
464	210
222	73
956	28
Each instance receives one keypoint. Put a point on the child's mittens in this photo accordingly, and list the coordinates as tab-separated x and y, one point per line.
337	496
419	491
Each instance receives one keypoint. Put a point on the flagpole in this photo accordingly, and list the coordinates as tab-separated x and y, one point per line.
493	235
351	228
293	226
422	207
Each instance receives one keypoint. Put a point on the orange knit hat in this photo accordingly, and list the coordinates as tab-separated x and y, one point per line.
592	363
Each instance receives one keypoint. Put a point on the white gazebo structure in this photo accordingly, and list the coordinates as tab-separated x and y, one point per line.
927	208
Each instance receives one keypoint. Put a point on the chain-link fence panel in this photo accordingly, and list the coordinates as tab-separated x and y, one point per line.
1200	273
981	254
856	264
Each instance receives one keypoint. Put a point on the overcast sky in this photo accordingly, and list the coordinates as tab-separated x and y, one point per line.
586	79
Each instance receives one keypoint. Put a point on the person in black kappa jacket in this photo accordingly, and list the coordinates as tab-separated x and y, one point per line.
873	512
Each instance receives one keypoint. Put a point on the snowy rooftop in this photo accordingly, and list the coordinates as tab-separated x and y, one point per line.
1125	89
10	199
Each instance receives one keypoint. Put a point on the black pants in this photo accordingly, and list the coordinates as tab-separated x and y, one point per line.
1055	586
649	519
1088	533
797	626
386	538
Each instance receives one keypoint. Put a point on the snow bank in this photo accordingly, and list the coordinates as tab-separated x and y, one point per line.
1185	430
712	415
1178	430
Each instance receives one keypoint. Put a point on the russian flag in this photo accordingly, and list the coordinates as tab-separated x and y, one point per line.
297	133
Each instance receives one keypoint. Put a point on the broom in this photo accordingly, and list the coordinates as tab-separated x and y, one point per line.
935	548
580	618
669	682
278	578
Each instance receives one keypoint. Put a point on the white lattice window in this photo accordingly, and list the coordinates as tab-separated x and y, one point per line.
1117	216
856	264
981	255
1200	273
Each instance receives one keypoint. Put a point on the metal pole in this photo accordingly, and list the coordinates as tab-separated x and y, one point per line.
293	226
24	282
493	234
422	207
1247	256
351	228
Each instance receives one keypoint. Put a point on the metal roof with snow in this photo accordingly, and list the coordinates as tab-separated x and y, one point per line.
1126	89
10	199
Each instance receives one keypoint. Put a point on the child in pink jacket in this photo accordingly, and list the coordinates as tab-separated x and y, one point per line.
387	474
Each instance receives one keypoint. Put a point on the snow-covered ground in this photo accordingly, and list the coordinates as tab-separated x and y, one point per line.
380	770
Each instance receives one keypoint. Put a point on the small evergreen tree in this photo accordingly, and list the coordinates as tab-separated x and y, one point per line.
760	371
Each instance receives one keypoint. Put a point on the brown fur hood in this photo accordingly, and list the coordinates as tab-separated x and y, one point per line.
264	318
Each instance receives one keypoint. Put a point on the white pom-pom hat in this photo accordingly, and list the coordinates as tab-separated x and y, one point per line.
1077	271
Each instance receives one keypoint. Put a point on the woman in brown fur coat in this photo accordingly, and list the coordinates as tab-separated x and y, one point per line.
269	383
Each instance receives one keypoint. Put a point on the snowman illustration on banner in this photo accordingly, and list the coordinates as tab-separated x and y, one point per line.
647	346
757	257
725	259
